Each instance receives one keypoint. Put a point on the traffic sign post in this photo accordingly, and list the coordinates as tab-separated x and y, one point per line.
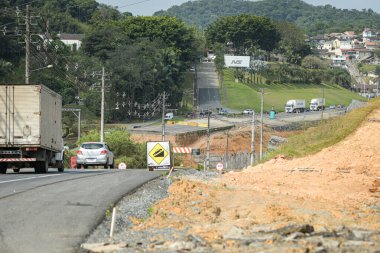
219	166
158	155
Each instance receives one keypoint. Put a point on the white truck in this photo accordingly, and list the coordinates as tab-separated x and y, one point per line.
317	104
30	128
295	105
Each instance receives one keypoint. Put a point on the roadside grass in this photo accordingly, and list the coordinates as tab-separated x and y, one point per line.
328	133
242	96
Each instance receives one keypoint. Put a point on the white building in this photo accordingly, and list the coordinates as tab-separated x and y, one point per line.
74	41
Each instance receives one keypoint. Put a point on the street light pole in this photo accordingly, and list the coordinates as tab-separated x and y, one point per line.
208	140
262	124
102	109
253	139
163	116
27	45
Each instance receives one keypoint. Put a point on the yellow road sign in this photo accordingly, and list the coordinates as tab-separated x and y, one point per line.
158	153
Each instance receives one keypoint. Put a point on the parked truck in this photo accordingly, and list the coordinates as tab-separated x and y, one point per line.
295	105
30	128
317	104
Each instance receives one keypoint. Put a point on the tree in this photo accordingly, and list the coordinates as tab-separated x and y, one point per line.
173	32
244	32
292	44
377	53
313	62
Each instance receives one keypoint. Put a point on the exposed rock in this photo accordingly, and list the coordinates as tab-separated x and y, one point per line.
331	245
182	246
235	234
295	228
361	235
103	247
320	249
294	236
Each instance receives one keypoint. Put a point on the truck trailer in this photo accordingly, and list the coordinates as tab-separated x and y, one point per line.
295	105
317	104
30	128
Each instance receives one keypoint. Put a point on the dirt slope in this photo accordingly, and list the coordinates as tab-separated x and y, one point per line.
338	186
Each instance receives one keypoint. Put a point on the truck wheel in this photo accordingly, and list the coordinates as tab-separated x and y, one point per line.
3	168
16	170
61	164
41	167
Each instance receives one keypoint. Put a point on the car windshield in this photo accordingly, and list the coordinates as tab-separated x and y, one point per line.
92	145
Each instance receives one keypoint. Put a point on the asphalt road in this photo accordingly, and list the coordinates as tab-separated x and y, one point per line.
208	86
55	212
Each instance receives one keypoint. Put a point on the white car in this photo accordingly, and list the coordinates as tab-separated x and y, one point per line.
95	154
248	111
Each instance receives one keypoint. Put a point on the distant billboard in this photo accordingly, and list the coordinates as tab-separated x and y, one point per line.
232	61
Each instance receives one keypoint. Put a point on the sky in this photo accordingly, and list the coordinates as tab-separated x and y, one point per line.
148	7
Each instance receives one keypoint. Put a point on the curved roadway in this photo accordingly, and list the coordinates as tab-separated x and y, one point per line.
55	212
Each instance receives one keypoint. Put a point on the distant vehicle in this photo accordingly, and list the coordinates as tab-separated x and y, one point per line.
30	128
339	106
223	112
169	116
248	111
95	154
295	105
205	113
332	107
317	104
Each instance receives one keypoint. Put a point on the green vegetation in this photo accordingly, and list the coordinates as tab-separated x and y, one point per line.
125	150
241	96
150	210
365	68
244	32
327	134
312	19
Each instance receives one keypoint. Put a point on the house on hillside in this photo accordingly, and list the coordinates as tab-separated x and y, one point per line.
368	34
349	35
74	41
341	44
327	45
372	45
357	44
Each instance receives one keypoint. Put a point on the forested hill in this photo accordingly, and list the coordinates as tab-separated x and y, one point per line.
313	19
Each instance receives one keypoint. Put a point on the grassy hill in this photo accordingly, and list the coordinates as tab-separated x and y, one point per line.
240	96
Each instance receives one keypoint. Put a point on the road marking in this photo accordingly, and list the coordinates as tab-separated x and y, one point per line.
29	178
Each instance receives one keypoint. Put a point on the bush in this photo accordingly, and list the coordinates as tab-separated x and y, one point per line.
124	149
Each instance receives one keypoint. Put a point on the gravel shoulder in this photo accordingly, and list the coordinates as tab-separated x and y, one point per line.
327	202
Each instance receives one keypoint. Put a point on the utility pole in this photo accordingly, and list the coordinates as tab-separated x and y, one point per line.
227	150
102	109
262	124
163	115
323	103
253	139
27	45
208	140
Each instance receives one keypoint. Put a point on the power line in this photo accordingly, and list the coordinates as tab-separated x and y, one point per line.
136	3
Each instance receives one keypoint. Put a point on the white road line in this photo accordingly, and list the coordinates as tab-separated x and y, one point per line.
29	178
